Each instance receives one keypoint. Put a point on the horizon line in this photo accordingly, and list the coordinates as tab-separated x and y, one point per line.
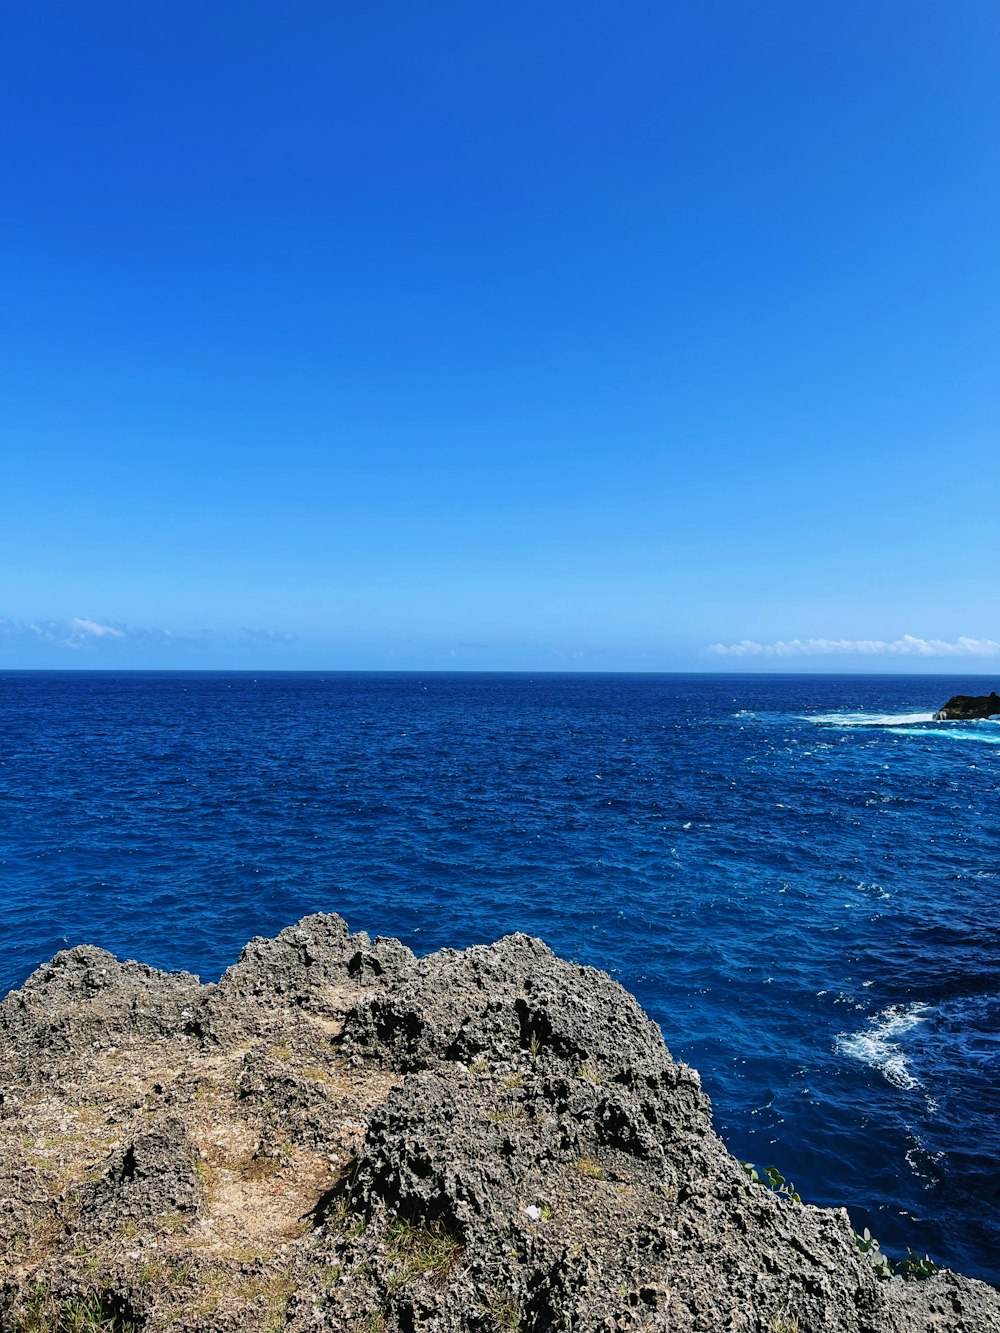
452	671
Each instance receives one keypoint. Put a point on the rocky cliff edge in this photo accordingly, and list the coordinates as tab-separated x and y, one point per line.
341	1136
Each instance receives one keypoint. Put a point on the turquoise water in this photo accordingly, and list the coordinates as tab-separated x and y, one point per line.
797	875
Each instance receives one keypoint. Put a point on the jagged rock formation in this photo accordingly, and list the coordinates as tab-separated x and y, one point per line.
340	1136
969	707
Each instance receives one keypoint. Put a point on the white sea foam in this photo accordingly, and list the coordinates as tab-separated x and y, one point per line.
876	1046
921	1161
954	734
868	719
986	731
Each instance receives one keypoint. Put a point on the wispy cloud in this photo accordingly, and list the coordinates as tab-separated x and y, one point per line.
82	634
75	633
264	638
907	646
84	630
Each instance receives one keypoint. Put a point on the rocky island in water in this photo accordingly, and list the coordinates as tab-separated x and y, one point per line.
341	1136
969	707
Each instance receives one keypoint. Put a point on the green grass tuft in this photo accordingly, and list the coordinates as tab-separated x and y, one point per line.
43	1312
422	1251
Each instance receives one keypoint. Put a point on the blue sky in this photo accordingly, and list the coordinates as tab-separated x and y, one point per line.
567	336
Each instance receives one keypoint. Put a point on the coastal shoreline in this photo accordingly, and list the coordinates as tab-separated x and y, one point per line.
339	1135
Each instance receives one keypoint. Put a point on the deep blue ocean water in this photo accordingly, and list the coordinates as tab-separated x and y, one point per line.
798	876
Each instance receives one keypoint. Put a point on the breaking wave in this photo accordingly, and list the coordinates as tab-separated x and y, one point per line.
877	1047
869	719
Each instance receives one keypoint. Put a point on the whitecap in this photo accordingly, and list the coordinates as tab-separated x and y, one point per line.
876	890
868	719
875	1045
952	734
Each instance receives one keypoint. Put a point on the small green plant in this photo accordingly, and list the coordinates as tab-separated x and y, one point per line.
590	1169
317	1073
422	1251
869	1247
327	1275
479	1067
205	1174
785	1323
43	1312
373	1323
514	1080
503	1114
590	1072
534	1046
915	1269
546	1213
178	1274
153	1272
773	1180
502	1309
274	1292
335	1217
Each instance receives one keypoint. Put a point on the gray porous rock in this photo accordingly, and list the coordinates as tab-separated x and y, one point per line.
153	1175
341	1136
86	998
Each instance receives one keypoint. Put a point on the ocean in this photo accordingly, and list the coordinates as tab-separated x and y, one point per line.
798	876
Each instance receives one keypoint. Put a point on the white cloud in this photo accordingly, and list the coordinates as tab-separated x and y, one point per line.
77	632
907	646
82	634
91	629
265	638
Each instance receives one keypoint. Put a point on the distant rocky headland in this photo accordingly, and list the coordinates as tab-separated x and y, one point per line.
969	707
341	1136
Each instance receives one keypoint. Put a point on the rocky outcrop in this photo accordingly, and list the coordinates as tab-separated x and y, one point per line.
969	707
340	1136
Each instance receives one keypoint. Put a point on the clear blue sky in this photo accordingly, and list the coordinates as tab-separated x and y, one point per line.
524	335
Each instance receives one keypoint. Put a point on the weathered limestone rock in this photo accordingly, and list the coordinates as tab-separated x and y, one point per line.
341	1136
153	1175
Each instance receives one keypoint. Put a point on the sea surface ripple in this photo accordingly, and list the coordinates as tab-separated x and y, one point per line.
798	876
